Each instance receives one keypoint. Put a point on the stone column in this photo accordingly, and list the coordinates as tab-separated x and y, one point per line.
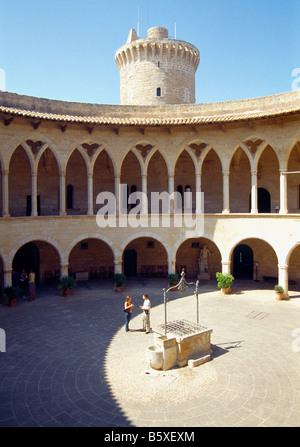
7	279
283	278
62	193
171	191
90	210
198	190
34	194
64	270
171	265
118	263
226	209
144	191
117	192
254	208
5	194
283	192
226	267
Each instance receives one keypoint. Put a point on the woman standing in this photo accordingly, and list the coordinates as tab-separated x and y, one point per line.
128	312
31	284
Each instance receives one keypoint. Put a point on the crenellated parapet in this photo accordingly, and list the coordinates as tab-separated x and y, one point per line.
157	70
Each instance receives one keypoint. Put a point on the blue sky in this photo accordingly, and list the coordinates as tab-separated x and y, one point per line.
64	49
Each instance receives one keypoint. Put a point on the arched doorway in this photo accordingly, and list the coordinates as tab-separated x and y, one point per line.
188	254
130	263
256	252
41	257
27	257
243	262
263	200
93	256
76	177
145	257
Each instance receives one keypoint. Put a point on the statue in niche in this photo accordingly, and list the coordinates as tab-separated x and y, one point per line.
203	263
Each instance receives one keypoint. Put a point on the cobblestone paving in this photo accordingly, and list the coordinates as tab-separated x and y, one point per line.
66	358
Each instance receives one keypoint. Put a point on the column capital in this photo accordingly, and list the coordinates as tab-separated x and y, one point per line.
283	267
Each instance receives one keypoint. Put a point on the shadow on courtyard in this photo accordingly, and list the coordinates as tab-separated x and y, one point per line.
53	371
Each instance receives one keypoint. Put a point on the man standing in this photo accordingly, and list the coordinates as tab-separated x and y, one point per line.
146	313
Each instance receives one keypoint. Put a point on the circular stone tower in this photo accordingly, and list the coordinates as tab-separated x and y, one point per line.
157	70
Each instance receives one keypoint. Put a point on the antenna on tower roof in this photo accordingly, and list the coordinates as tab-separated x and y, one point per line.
138	24
175	30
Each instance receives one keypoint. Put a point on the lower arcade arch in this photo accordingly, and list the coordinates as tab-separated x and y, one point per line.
254	259
188	258
41	257
145	257
294	266
93	256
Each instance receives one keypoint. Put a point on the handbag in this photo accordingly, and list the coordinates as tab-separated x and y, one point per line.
126	311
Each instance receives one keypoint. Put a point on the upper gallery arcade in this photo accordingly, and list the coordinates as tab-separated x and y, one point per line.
56	157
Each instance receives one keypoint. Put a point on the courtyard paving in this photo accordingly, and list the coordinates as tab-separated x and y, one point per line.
70	363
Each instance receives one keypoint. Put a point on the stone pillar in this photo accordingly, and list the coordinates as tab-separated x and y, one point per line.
34	194
171	265
64	270
199	206
226	267
7	279
144	191
254	208
5	194
171	190
118	263
226	209
283	278
90	210
283	192
62	193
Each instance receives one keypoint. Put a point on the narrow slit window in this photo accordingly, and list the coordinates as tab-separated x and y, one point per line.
158	91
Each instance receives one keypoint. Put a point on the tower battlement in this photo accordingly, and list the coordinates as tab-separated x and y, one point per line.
157	70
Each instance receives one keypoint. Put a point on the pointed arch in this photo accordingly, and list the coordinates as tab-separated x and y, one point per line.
268	176
97	153
294	145
137	154
151	154
103	175
43	149
212	181
131	174
240	180
20	170
83	154
236	153
77	170
185	176
293	180
157	175
191	154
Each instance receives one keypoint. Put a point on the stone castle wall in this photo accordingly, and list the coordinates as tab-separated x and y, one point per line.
157	70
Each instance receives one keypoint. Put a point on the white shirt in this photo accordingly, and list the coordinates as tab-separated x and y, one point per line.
147	305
